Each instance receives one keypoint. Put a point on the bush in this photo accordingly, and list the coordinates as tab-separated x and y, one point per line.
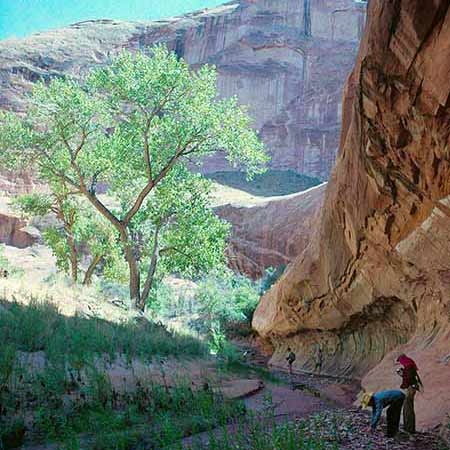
226	301
220	301
167	303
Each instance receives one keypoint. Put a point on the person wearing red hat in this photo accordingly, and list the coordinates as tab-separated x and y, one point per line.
411	383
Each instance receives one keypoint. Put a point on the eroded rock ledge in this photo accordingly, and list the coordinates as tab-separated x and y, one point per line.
375	277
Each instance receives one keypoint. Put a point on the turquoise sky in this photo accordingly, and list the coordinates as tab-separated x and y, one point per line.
23	17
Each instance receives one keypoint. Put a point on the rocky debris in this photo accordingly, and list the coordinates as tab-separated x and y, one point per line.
375	277
287	60
270	233
349	430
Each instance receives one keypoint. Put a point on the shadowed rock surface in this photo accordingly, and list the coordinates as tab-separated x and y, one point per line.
13	230
376	276
286	59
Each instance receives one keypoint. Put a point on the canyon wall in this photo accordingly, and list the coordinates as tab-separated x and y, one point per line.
13	232
286	59
375	278
271	233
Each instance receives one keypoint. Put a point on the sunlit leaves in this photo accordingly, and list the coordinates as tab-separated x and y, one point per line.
135	126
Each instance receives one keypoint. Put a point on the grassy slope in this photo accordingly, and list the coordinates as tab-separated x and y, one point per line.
61	376
271	183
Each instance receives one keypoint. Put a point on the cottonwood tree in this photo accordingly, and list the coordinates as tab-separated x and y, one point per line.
78	231
178	230
129	125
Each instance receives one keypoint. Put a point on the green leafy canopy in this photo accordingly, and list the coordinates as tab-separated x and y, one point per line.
136	126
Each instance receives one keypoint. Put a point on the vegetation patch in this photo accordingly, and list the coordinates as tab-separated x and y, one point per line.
220	306
55	383
265	432
268	184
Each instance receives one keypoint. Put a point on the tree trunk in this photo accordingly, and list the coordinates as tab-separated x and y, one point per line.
90	271
121	227
73	258
135	289
151	270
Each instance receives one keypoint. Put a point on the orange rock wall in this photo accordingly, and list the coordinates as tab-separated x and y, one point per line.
375	277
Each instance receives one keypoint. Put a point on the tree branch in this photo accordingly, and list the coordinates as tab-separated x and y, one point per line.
176	250
100	206
138	203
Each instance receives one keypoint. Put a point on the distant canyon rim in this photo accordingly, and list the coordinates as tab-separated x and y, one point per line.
287	60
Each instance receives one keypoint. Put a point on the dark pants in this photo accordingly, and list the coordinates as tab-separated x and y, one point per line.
393	414
409	416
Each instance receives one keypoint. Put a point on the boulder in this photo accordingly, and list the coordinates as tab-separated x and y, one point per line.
13	231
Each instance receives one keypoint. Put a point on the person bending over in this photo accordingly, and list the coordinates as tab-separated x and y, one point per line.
393	401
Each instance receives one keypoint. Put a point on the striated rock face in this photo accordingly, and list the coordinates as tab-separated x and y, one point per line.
272	233
375	279
286	59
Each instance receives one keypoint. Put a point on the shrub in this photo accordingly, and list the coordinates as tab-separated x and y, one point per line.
227	301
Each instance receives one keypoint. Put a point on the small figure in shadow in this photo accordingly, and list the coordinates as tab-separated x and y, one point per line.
319	360
290	359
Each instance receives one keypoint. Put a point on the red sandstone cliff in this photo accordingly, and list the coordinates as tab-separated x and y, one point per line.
271	233
286	59
375	278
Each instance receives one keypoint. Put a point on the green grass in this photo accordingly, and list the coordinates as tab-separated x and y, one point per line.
265	432
77	340
71	392
268	184
71	400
